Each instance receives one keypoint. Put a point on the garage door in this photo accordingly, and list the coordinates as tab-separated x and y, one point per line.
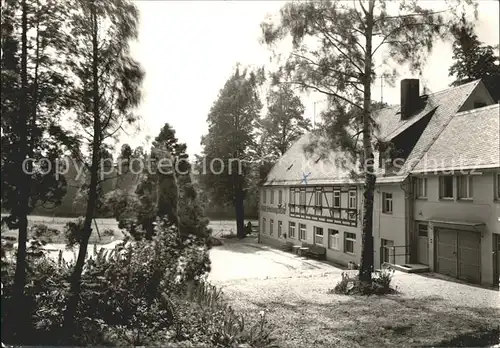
458	254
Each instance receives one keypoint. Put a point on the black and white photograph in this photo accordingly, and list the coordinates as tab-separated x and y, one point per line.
250	173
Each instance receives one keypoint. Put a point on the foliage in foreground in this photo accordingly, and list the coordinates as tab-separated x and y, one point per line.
349	284
143	293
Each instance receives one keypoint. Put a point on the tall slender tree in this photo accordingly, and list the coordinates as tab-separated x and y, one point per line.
231	136
284	122
334	47
106	91
33	88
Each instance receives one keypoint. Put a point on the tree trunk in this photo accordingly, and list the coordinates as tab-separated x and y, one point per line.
148	226
365	271
239	209
75	281
23	183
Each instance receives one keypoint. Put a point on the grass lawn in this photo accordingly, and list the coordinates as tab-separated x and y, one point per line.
59	223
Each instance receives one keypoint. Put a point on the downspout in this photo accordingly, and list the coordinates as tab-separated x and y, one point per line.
409	235
258	215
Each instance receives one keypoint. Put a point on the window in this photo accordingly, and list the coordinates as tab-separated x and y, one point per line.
302	197
421	187
352	199
272	196
336	198
464	183
292	196
497	180
318	198
280	197
446	187
422	230
271	225
263	225
302	232
318	235
349	241
280	225
333	236
387	252
387	203
264	194
291	229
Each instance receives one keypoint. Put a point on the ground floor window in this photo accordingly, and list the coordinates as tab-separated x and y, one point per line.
291	229
349	242
302	232
280	224
318	235
271	227
386	250
333	236
263	225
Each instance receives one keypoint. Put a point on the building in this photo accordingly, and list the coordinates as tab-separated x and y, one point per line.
437	196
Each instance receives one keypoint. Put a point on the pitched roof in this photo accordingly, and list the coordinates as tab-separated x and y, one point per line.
471	140
337	168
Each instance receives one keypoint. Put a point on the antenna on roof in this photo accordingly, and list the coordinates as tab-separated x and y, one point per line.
382	89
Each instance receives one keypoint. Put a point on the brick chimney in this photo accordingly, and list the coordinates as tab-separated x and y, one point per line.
410	97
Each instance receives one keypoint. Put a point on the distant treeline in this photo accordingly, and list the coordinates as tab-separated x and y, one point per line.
73	203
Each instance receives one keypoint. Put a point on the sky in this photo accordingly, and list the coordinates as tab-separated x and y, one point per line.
188	49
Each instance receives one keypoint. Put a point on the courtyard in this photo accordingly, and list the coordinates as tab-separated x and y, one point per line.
292	291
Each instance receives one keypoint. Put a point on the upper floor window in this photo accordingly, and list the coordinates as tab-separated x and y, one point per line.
387	203
464	183
292	197
272	196
280	196
336	198
264	194
446	187
421	188
497	182
352	199
318	198
302	232
302	197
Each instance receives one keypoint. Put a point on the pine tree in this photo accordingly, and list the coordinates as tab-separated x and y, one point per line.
284	122
106	91
474	60
33	85
230	139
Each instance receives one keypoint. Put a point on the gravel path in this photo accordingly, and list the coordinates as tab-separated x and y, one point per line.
293	292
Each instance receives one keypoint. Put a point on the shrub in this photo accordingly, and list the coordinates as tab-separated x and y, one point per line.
73	232
44	233
108	232
349	284
39	230
142	293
